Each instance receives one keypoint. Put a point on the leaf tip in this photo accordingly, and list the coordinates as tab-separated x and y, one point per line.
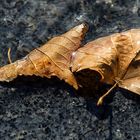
82	28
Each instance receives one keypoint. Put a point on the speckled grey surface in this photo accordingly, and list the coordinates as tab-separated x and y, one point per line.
49	110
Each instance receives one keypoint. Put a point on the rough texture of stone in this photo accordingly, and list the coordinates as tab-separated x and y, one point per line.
41	109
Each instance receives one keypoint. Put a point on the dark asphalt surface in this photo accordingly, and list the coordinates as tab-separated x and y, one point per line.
41	109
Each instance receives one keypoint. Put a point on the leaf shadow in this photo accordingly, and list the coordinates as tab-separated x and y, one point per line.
92	97
130	95
101	112
34	82
31	85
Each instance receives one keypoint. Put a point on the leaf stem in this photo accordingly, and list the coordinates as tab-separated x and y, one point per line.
100	101
9	56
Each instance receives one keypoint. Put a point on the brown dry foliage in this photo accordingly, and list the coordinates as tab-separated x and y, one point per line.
114	58
51	59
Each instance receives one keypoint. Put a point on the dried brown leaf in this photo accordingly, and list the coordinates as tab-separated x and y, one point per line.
131	80
52	59
113	59
116	58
